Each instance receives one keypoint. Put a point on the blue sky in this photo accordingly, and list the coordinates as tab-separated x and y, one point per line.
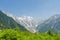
34	8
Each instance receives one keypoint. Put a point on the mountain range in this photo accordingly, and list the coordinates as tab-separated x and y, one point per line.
28	23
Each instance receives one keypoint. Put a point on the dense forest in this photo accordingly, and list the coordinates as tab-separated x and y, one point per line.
16	34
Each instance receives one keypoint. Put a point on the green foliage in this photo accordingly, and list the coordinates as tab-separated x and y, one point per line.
9	34
49	32
15	34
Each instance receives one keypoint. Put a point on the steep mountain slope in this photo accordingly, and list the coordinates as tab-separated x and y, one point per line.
30	23
53	24
9	22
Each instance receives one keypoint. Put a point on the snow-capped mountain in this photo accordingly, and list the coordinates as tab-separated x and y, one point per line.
53	23
28	22
36	24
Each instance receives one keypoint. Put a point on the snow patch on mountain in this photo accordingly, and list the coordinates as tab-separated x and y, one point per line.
9	14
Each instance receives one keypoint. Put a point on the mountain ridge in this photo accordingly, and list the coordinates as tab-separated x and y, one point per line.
8	22
53	23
